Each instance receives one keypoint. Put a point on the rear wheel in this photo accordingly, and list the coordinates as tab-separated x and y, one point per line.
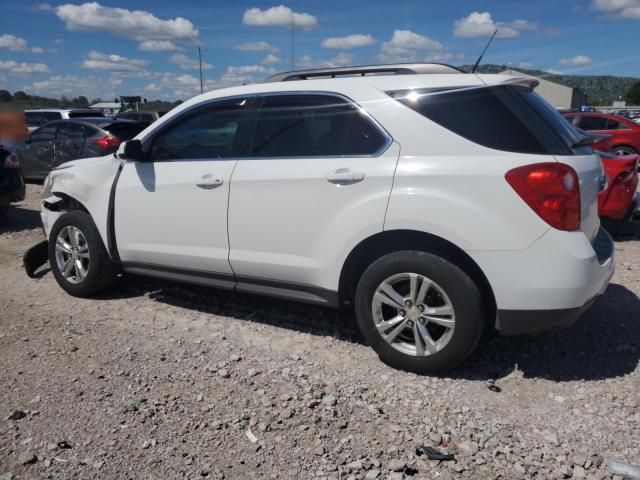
623	150
78	259
419	312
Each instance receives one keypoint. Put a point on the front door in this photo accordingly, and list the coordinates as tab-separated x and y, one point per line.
36	156
171	210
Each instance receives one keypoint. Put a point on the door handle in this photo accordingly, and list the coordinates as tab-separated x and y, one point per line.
208	181
345	176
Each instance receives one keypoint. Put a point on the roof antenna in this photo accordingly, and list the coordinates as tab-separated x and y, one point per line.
475	67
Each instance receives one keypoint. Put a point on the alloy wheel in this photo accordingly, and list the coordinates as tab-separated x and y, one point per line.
413	314
72	254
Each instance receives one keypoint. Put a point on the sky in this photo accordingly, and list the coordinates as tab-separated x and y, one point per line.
150	48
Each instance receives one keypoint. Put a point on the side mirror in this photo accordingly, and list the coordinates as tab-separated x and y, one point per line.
131	150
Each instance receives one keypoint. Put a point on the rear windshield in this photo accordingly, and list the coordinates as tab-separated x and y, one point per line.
506	117
35	119
125	130
86	113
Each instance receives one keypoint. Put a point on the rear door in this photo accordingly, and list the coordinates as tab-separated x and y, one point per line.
318	171
36	156
69	143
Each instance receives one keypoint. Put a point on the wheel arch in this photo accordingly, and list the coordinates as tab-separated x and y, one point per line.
375	246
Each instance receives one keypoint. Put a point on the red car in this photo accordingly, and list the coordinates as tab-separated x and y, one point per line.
625	133
619	202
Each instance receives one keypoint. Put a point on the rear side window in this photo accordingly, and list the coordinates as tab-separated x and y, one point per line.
125	130
507	117
71	132
44	134
593	123
314	126
85	113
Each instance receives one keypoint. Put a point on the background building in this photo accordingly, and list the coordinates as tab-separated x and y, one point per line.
108	108
558	95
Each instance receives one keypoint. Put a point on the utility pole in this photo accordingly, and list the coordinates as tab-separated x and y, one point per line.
293	28
200	62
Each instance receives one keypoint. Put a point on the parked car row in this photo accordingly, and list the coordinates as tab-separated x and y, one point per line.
355	187
12	187
61	141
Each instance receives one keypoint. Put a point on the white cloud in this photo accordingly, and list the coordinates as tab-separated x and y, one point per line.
350	41
23	67
525	64
271	59
138	25
257	47
113	63
279	16
577	61
407	46
58	41
37	50
618	8
188	63
158	46
13	43
342	59
444	57
74	85
481	24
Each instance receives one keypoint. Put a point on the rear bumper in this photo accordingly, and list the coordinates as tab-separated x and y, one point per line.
550	284
516	322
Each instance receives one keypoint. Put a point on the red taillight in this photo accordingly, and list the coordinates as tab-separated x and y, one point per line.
107	142
551	190
11	162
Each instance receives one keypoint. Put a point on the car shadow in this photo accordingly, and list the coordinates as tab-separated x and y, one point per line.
626	232
604	343
19	219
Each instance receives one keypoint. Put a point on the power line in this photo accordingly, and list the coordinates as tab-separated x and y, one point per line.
200	62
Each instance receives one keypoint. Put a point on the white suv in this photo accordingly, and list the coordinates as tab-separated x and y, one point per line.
434	202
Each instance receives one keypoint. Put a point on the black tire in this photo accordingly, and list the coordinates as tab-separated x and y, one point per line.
463	293
4	211
624	150
101	271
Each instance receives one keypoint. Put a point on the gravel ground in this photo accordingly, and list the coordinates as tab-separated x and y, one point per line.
156	380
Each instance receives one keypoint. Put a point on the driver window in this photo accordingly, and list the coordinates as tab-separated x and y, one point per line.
211	132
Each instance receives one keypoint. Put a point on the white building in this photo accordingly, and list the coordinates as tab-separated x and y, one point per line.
108	108
559	96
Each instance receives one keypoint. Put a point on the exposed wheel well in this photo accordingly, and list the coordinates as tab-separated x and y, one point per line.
383	243
67	203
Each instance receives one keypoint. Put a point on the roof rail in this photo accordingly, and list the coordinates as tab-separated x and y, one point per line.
389	69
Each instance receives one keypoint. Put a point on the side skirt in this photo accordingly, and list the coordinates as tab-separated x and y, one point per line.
270	288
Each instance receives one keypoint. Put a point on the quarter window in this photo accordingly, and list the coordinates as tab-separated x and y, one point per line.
313	126
509	118
212	131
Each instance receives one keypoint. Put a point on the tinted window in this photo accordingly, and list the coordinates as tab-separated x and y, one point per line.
51	116
147	117
34	119
313	125
44	134
615	125
593	123
85	113
125	130
70	132
210	132
509	118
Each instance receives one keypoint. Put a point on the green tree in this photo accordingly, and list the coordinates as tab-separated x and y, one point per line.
633	95
20	95
81	101
5	96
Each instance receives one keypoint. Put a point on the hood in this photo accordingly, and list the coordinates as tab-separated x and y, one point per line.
87	162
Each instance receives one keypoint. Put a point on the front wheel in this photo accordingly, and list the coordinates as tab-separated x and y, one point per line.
419	312
78	259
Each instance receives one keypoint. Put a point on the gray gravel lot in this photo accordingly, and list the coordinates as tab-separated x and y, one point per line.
156	380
